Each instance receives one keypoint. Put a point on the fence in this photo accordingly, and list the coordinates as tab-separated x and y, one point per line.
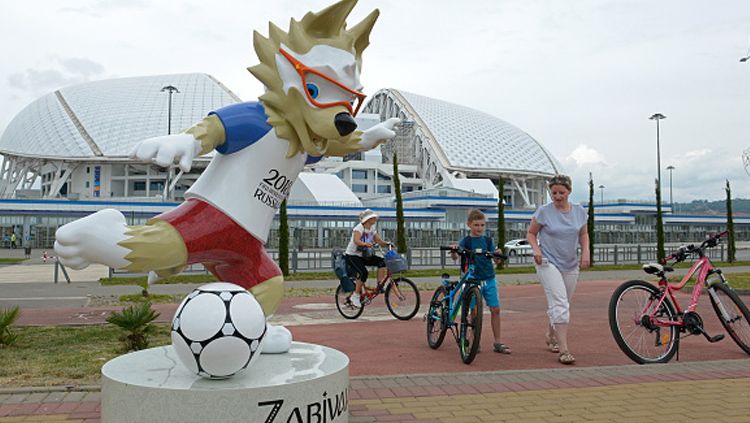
321	260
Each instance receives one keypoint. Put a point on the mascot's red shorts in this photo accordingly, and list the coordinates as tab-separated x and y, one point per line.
224	247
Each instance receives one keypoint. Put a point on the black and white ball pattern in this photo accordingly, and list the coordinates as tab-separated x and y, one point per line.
218	329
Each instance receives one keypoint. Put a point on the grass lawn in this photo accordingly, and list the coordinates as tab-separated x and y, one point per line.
47	356
13	260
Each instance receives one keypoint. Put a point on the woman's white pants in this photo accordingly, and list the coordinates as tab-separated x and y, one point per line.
559	288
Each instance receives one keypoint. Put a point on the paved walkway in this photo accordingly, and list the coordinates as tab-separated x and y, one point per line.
396	377
712	392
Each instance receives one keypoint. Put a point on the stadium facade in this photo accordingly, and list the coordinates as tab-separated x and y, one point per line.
66	155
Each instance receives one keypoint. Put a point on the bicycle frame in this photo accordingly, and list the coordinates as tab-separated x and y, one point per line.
456	294
703	268
370	293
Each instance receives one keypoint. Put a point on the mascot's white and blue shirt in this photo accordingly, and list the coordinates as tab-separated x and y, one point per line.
251	176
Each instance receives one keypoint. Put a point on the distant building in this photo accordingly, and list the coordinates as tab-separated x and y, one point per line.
66	156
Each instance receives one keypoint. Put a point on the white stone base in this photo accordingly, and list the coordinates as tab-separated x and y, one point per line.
307	384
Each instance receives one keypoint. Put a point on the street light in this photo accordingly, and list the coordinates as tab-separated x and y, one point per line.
670	168
657	117
601	187
170	89
170	172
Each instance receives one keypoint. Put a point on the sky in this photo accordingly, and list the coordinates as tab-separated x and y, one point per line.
580	76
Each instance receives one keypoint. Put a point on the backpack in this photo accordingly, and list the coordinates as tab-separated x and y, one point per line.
340	268
465	241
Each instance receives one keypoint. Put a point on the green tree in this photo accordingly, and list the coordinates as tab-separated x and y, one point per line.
283	240
400	231
731	249
590	222
500	218
659	225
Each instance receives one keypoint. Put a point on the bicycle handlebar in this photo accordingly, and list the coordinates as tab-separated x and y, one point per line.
684	251
468	253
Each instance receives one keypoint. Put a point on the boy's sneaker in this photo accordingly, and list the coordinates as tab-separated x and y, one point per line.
355	300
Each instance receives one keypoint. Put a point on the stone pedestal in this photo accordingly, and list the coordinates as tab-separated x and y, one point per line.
307	384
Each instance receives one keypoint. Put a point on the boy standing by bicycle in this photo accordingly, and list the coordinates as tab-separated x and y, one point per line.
484	270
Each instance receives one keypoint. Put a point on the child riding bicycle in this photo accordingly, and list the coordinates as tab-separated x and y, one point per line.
484	270
360	254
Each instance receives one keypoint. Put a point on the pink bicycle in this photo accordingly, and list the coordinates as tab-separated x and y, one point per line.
646	321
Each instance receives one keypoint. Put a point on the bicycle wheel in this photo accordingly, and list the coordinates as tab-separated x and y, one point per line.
471	324
402	298
437	318
629	309
733	314
345	307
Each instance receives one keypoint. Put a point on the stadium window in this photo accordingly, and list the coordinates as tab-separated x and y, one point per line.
359	188
156	186
359	174
384	189
88	169
139	186
340	174
382	177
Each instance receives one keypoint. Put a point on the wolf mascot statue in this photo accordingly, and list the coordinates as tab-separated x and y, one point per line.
311	76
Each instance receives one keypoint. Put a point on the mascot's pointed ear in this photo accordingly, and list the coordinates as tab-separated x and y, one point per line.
330	21
361	32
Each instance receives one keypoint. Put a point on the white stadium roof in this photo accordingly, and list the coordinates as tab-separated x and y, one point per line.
106	118
470	139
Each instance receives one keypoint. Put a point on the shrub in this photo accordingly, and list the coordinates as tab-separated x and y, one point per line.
136	322
8	316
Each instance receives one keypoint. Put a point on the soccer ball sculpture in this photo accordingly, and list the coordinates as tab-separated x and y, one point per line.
218	330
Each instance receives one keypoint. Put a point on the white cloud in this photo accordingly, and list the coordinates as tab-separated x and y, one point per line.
585	155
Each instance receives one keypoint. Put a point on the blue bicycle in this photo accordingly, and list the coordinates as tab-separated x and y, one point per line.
463	300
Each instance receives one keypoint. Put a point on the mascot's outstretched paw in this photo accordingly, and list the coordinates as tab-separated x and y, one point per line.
93	239
168	149
379	133
278	340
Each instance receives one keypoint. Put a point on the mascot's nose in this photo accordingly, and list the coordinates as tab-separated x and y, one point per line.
345	123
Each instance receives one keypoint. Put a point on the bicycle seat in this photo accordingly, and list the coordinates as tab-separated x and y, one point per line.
656	268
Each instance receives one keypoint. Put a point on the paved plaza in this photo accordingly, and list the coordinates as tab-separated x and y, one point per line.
395	376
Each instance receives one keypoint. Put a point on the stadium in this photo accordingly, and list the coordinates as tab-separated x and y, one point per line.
66	155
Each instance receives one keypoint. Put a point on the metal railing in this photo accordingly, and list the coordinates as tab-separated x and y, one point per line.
425	258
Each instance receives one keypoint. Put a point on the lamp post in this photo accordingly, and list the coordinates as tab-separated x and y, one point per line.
670	168
659	223
657	117
601	187
171	89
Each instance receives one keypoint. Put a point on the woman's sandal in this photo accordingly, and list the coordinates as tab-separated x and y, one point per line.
552	345
566	358
501	348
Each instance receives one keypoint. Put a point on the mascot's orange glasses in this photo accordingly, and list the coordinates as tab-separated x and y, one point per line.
324	91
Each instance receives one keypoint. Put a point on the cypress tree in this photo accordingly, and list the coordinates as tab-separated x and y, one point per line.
500	218
659	226
731	250
590	222
283	240
401	246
